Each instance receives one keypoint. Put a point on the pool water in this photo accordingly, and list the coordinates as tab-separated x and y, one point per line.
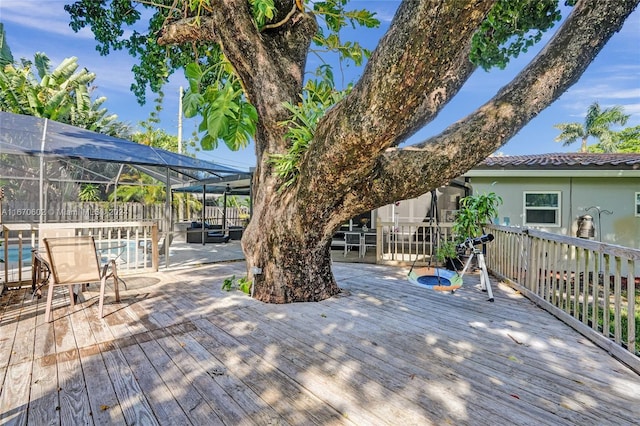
13	254
124	250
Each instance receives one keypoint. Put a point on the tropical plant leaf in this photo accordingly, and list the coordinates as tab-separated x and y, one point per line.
191	103
511	27
241	127
5	52
223	107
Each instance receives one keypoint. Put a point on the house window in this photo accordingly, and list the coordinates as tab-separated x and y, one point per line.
637	203
542	208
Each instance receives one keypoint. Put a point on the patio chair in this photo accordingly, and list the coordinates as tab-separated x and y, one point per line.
351	239
370	240
74	260
40	269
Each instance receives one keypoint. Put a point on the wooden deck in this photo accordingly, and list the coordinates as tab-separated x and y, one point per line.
178	350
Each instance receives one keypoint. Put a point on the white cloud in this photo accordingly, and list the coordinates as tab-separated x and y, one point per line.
606	91
48	16
386	14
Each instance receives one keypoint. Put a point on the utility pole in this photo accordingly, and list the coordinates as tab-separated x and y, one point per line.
180	122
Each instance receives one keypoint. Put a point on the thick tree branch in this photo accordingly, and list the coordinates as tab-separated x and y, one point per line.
270	64
418	66
469	141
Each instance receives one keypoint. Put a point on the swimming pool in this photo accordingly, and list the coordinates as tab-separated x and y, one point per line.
127	253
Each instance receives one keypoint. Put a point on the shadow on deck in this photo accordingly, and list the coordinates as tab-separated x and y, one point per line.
179	350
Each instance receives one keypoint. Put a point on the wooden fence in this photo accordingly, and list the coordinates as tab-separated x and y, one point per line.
593	287
15	211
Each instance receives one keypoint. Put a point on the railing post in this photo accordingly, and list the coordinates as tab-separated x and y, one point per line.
378	240
155	256
631	300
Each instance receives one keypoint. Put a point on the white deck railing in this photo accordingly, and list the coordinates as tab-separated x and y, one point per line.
134	245
407	242
591	286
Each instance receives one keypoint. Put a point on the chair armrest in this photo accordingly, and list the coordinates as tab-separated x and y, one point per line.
41	265
40	273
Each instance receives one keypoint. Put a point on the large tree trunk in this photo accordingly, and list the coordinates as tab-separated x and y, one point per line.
353	163
287	246
287	264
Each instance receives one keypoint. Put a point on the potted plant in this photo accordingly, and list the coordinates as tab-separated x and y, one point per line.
474	213
447	254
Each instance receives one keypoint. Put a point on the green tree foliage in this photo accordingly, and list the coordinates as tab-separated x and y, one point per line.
62	94
157	138
597	124
215	93
511	28
475	212
628	140
625	141
138	187
317	97
89	192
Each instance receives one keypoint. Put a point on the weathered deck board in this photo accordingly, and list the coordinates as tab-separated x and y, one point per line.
20	338
251	405
395	374
186	395
123	397
133	402
294	403
546	337
182	351
15	394
44	399
527	341
165	407
409	381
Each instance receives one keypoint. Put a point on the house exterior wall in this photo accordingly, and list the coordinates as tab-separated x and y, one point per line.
419	209
615	194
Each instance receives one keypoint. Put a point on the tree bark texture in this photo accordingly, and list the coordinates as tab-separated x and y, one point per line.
353	164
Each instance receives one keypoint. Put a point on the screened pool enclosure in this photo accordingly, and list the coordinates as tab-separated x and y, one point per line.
47	167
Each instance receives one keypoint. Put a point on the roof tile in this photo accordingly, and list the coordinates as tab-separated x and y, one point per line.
565	160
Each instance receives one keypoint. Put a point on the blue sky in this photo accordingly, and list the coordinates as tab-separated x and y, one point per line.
612	79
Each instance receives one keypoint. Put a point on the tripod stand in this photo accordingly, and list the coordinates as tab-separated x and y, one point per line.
485	284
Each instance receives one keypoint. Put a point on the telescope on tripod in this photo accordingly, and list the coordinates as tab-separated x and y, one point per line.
471	244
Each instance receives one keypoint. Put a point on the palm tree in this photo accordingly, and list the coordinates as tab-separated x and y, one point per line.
597	124
89	192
